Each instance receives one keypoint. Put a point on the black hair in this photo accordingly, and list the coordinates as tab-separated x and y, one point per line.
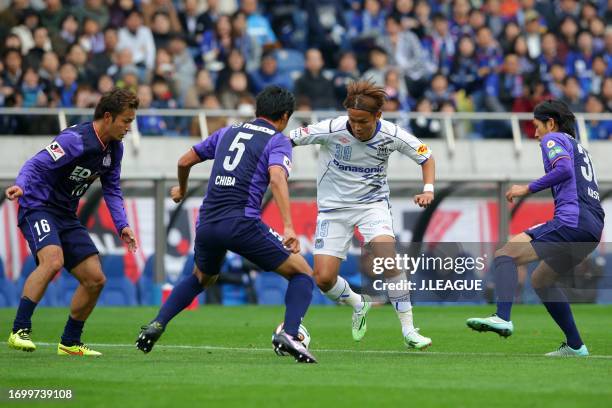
115	102
559	112
273	102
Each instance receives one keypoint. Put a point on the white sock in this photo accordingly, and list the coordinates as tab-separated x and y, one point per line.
342	293
400	299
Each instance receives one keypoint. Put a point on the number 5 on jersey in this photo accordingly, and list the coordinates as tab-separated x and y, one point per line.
230	164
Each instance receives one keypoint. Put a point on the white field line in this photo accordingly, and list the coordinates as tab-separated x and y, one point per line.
269	350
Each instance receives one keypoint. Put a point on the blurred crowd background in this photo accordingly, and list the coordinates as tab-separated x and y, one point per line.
430	55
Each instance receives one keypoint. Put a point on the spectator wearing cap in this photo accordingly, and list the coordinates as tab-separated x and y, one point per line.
269	74
533	33
313	85
139	40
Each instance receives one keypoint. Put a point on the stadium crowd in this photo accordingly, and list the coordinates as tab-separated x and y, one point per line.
430	55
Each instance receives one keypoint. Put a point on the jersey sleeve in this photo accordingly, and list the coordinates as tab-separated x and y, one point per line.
206	148
280	153
111	189
63	150
318	133
409	145
553	148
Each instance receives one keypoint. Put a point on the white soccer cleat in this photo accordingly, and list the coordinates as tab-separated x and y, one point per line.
416	340
566	351
492	323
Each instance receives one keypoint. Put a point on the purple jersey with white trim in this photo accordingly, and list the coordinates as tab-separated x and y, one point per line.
577	198
57	176
239	178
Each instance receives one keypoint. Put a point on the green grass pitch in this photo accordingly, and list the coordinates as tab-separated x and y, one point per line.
222	357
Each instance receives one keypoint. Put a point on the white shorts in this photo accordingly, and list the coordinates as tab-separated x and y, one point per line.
335	228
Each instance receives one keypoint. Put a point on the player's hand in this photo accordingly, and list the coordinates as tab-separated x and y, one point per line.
291	240
176	194
13	192
424	199
517	190
127	235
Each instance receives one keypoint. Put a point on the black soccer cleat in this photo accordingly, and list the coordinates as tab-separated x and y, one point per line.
149	334
284	342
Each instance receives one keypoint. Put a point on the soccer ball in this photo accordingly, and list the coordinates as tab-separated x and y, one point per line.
303	336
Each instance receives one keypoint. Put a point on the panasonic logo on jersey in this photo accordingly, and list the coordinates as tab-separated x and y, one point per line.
357	169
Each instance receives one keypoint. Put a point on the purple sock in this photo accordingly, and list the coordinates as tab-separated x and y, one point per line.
72	332
182	295
558	307
297	300
506	281
23	319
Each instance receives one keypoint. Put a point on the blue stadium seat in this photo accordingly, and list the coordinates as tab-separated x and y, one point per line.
8	295
119	290
289	61
233	294
53	294
270	288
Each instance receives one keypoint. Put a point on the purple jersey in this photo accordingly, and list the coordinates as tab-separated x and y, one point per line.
577	198
239	178
57	176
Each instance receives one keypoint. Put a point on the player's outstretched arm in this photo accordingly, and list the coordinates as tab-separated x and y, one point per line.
185	163
280	191
429	177
13	192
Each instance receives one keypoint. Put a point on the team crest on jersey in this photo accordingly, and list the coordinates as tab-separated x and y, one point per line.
287	163
304	130
55	151
550	143
319	243
106	161
344	140
422	149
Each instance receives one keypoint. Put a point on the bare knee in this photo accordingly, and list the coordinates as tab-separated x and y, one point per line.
95	283
325	280
51	262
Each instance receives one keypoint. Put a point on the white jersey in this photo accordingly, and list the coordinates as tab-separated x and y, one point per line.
352	172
